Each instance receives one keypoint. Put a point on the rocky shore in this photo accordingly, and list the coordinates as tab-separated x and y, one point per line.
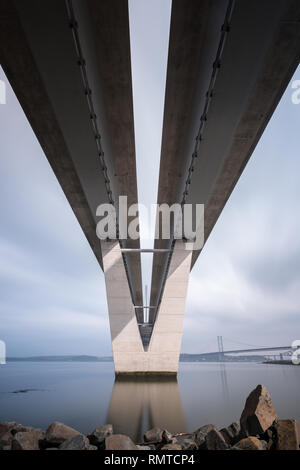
258	429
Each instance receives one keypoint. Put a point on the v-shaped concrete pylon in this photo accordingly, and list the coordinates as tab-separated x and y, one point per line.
129	355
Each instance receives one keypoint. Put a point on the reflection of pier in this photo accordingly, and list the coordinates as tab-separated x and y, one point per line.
225	389
141	403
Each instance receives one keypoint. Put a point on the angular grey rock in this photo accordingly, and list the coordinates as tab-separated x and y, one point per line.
119	442
187	442
7	426
249	443
77	442
27	440
154	435
167	437
143	447
58	432
258	414
5	440
264	444
232	433
288	434
98	436
215	441
13	427
21	428
201	433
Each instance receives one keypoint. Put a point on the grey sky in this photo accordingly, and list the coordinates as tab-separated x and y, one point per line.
246	283
149	55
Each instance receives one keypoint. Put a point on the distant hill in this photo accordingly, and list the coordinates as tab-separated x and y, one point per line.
82	358
86	358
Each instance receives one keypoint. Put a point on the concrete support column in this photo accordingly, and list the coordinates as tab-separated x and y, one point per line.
165	342
163	353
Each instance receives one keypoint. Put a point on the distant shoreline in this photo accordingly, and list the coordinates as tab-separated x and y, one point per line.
86	358
81	358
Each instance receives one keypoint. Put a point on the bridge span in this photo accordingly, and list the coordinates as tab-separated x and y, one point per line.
240	351
69	64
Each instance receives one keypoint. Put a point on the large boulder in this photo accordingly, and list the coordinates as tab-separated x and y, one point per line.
154	435
215	441
258	414
57	433
98	436
29	440
201	433
119	442
77	442
288	434
250	443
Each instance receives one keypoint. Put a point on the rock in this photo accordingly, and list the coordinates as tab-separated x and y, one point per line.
98	436
171	447
27	440
5	440
167	437
77	442
186	442
270	437
249	443
57	433
264	444
21	428
143	447
154	435
288	434
258	414
90	447
271	445
13	427
119	442
215	441
7	426
231	434
201	433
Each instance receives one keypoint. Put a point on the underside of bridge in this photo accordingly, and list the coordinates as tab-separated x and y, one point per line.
69	65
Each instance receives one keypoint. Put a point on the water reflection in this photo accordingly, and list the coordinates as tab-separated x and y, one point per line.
225	389
142	403
84	395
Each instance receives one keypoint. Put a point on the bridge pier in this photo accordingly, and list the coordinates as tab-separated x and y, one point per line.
129	355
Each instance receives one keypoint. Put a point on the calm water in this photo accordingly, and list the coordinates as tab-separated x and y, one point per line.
85	395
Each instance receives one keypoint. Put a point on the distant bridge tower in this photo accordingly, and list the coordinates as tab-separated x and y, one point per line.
221	348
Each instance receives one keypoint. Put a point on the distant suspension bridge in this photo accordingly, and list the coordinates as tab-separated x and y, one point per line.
267	349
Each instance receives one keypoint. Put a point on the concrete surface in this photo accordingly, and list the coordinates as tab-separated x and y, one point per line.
162	355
